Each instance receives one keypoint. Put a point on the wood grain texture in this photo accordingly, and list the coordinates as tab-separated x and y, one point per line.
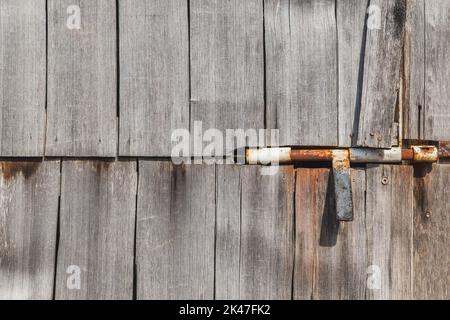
82	80
381	83
437	70
228	232
154	75
175	231
330	257
97	221
350	19
414	70
254	250
301	71
431	236
389	207
29	194
227	65
22	78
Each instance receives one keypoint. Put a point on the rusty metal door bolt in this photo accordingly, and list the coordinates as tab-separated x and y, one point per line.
341	159
424	154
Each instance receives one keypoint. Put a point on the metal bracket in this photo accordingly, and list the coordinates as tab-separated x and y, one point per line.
342	185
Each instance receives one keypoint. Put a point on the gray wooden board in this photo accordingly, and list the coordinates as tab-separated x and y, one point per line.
82	80
29	194
175	231
97	221
431	236
227	66
228	232
381	83
154	75
414	70
330	257
350	19
437	70
389	207
301	71
254	246
22	78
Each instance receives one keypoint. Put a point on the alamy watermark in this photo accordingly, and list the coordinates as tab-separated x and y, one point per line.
214	146
74	277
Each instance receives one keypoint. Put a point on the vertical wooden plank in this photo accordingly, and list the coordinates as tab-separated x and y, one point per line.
330	257
254	237
350	19
277	60
97	220
154	75
227	64
267	214
175	231
414	70
82	79
22	78
437	70
384	47
228	232
301	71
389	207
431	236
29	194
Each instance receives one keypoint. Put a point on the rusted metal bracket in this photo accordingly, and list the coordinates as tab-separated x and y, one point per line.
341	160
342	185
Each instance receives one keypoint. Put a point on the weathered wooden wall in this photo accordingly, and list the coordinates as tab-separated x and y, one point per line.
226	232
137	226
132	72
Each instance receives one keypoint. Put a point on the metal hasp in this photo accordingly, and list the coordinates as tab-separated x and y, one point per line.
341	160
342	185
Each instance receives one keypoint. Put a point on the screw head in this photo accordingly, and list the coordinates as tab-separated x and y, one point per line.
385	180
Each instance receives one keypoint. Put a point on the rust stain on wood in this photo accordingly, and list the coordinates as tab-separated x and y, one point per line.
10	170
101	165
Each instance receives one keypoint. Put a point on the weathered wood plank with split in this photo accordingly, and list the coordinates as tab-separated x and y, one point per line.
82	78
301	71
29	194
382	62
97	221
175	231
414	70
154	75
22	78
254	246
351	40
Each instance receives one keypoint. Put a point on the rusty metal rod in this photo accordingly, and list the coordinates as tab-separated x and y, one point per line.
312	155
